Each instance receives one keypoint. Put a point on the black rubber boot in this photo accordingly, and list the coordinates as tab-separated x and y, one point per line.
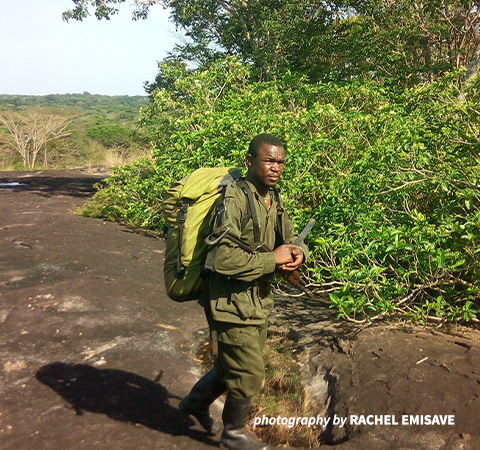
235	434
202	395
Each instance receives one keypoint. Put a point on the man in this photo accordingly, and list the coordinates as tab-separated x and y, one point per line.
238	296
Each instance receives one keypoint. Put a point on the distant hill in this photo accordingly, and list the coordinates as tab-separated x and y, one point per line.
82	101
120	107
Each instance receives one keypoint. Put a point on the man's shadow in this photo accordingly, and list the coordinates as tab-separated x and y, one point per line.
119	395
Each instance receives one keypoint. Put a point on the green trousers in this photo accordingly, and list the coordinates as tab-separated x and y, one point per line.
240	356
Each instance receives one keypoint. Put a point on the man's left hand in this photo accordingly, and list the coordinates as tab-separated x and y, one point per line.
298	257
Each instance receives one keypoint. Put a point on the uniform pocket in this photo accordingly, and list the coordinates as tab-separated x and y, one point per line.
238	336
242	298
238	299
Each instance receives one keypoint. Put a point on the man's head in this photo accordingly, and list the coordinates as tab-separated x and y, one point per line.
265	161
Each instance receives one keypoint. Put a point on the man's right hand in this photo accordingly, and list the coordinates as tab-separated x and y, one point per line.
283	254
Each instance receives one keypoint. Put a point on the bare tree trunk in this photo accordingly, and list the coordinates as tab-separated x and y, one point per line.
28	133
474	65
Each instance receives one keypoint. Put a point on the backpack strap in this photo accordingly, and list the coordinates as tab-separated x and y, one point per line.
182	217
251	210
220	210
280	226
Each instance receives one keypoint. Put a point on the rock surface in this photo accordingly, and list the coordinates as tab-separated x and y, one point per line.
94	355
395	374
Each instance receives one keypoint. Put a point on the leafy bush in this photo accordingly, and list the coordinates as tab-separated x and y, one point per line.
111	135
130	196
392	177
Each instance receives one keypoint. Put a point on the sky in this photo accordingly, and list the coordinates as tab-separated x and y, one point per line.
41	54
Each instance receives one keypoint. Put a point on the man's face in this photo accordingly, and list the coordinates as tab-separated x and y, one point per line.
266	168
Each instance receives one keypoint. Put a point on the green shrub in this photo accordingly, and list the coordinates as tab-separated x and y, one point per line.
392	177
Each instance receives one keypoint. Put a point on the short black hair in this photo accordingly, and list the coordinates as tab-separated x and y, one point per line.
265	138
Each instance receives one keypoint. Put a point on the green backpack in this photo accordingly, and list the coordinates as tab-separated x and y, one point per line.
190	209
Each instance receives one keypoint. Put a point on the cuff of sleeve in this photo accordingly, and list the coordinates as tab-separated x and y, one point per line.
269	262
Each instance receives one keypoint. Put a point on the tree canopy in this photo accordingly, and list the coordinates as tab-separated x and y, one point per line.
325	39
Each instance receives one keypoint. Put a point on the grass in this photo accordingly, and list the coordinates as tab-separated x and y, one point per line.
71	157
282	395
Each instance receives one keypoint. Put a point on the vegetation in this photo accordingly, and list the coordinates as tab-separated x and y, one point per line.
121	106
391	175
111	135
377	101
71	130
283	395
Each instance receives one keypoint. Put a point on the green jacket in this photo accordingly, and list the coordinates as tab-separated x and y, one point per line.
238	288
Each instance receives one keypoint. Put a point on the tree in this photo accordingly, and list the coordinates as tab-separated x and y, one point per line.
418	39
29	133
324	39
170	70
111	135
272	35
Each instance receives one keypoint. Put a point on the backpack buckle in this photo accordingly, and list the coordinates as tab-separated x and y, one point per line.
213	239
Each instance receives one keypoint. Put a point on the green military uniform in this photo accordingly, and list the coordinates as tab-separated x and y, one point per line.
238	296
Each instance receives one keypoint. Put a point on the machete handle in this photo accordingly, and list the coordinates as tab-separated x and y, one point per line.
292	277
